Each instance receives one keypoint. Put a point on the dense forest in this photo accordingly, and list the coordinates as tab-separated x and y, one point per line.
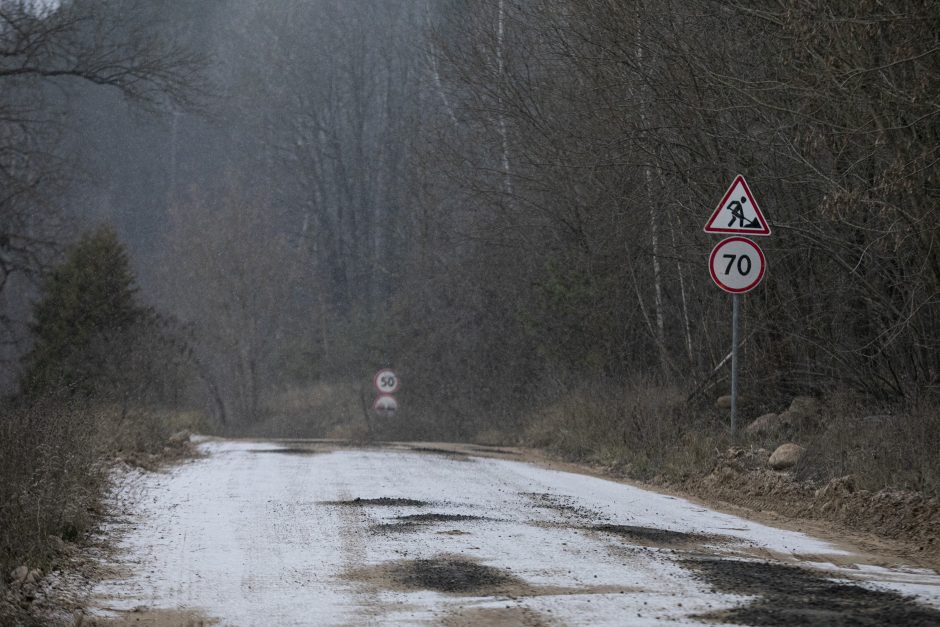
503	200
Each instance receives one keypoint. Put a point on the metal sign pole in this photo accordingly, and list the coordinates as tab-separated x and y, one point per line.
735	318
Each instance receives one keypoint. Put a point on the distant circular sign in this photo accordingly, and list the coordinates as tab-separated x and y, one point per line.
385	406
737	265
386	381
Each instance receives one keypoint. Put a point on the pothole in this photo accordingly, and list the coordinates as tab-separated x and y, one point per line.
564	505
385	501
789	595
396	527
453	574
456	455
285	451
428	518
651	536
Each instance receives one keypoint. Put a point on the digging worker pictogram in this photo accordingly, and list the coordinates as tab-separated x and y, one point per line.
737	214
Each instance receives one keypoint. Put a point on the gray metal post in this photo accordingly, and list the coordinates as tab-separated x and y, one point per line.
735	316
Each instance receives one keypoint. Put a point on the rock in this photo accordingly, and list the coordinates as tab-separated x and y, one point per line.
180	437
723	402
34	576
57	543
767	423
19	574
786	456
803	406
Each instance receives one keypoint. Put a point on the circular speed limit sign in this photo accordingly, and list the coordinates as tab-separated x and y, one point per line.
386	381
385	406
737	265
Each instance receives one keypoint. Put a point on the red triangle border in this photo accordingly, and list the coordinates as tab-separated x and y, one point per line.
760	214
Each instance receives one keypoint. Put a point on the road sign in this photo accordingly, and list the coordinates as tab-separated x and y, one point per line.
738	212
737	265
386	381
385	406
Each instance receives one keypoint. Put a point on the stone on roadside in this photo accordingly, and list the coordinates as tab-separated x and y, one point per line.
34	576
764	424
19	574
786	456
723	402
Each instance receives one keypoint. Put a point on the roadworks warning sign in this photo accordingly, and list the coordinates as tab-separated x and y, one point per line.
738	212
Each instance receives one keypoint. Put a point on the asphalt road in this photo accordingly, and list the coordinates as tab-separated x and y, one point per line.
300	533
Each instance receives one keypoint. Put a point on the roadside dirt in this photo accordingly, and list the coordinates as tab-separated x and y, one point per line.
142	617
910	520
881	529
788	595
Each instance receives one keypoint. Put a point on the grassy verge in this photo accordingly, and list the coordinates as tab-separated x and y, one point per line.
54	461
872	470
640	429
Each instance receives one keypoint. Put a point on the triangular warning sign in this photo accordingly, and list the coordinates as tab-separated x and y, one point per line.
738	212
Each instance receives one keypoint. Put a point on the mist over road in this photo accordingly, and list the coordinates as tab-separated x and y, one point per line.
302	533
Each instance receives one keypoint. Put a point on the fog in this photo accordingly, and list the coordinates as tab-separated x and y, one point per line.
502	200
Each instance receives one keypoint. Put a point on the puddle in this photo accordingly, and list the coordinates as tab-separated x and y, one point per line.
384	501
789	595
651	536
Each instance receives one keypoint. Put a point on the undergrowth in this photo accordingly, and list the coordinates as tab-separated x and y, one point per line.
54	462
646	430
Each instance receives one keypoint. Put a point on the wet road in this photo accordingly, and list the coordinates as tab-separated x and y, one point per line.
277	533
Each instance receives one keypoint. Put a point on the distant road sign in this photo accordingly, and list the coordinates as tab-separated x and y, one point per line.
385	406
737	265
738	212
386	381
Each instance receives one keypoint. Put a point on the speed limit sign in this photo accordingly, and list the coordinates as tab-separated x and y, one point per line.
737	265
386	381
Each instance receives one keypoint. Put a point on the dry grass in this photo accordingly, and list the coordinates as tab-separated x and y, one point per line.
319	410
641	429
646	430
52	476
892	448
54	457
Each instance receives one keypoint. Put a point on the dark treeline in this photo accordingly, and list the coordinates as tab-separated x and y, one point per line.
502	199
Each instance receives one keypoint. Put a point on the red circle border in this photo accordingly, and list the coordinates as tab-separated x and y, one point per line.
760	276
375	381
